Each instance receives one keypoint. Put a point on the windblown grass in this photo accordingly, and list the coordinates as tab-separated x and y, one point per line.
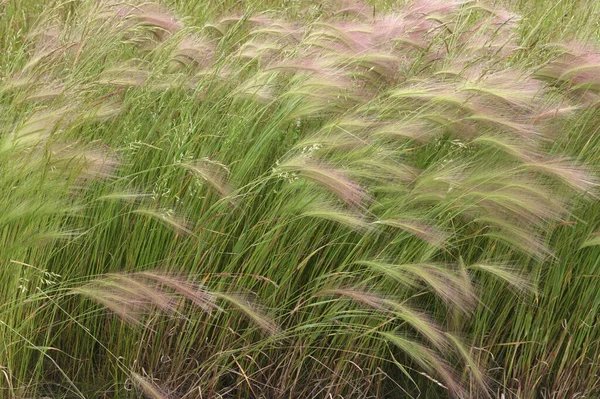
261	200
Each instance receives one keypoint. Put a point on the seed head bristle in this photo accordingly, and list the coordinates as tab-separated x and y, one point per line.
419	229
150	389
333	180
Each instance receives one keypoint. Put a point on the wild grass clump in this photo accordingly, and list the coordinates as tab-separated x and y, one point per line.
343	201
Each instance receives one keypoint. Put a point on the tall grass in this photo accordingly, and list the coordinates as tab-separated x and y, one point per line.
287	200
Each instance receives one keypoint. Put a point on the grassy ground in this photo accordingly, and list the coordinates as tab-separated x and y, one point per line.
279	199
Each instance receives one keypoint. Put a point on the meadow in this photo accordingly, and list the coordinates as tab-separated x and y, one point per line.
291	199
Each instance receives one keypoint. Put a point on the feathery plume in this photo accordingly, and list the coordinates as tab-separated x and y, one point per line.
333	180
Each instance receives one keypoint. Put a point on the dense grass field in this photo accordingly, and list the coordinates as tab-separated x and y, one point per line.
296	199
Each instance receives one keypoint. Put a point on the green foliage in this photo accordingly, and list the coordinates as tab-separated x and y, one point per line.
278	199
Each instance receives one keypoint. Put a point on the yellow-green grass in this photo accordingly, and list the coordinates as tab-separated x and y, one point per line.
268	199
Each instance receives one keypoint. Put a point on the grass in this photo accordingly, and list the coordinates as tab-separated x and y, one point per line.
280	200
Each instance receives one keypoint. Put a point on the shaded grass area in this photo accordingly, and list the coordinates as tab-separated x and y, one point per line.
279	199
